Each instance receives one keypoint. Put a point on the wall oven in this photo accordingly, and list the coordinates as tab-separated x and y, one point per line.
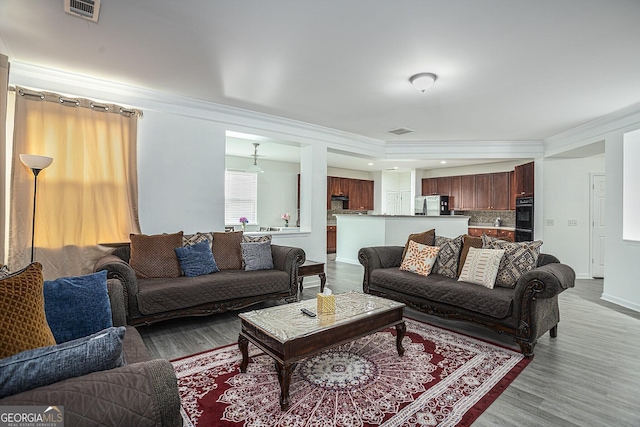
524	219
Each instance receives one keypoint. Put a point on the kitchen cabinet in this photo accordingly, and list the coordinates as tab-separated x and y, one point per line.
331	239
501	234
455	194
524	177
360	195
492	191
336	187
512	192
429	186
468	192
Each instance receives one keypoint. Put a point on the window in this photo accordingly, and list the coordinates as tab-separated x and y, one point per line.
240	196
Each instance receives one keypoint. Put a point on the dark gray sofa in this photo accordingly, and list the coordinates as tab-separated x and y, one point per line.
142	393
525	312
151	300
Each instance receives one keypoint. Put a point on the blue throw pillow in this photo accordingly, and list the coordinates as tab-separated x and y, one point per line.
77	306
47	365
196	260
257	256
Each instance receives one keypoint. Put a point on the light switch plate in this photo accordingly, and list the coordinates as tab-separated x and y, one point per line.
550	223
573	223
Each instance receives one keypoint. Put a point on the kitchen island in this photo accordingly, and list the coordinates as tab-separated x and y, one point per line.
359	231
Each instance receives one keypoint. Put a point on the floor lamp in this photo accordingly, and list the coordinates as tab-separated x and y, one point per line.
36	164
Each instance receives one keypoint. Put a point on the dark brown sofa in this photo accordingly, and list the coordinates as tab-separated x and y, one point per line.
525	312
144	392
151	300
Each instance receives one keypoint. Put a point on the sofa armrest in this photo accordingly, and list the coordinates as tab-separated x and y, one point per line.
546	281
140	394
288	259
116	299
378	257
119	269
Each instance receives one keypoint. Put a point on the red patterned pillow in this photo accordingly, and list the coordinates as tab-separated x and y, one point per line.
419	258
154	256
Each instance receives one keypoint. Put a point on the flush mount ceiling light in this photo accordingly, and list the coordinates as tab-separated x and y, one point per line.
423	81
254	167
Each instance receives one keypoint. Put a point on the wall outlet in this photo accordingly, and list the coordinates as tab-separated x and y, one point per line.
573	223
550	223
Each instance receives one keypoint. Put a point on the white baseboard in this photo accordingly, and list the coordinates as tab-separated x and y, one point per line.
347	260
621	302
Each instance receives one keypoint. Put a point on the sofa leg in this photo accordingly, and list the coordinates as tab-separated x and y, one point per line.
553	332
526	347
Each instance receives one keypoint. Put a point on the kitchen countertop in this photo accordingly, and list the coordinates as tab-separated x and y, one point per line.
491	226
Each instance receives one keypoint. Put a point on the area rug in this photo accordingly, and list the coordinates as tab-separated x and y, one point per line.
443	379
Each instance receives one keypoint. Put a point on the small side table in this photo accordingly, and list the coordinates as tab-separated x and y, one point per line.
312	268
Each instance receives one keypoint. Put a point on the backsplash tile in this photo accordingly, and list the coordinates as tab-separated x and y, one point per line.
508	218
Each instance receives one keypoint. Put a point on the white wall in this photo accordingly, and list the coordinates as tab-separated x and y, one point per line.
622	258
277	190
470	170
348	173
566	193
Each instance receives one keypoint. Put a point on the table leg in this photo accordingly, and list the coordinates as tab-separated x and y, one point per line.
401	329
323	281
243	343
284	378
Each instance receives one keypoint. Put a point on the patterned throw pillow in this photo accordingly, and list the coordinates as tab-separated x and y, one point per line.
257	256
468	242
154	256
23	324
227	251
4	272
192	239
481	267
518	259
419	258
424	238
256	239
447	261
196	260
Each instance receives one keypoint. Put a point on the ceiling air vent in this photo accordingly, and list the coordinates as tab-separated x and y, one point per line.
87	9
400	131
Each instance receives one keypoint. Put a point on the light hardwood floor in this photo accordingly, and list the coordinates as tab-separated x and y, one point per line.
588	376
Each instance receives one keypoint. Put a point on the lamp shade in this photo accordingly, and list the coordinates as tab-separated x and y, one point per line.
423	81
34	161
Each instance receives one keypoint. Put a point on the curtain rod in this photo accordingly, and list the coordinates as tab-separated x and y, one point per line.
76	102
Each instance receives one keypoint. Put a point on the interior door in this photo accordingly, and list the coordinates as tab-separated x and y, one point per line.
597	224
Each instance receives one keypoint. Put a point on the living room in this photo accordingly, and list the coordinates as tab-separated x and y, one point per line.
182	136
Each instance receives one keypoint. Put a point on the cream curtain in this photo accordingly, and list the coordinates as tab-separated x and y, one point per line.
89	194
4	82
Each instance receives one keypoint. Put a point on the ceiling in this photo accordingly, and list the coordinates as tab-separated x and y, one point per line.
507	70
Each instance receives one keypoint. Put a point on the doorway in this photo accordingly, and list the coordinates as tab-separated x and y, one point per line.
597	232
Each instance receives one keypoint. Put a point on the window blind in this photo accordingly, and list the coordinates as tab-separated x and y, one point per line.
241	196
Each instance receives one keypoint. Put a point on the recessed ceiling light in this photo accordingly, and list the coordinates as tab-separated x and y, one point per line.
370	164
443	162
395	168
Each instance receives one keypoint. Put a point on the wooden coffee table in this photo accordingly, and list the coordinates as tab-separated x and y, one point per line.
287	335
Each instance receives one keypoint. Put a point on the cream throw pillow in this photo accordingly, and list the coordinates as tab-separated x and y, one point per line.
481	266
419	258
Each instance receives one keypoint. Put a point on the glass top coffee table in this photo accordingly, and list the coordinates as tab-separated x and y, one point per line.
288	335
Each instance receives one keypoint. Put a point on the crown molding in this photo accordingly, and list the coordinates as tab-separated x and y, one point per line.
593	131
233	118
466	149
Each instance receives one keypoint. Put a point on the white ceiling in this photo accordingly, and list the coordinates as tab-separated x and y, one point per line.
508	70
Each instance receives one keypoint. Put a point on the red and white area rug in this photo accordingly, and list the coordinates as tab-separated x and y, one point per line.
443	379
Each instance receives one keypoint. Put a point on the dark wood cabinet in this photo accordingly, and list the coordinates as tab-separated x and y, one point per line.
512	190
524	177
455	192
429	186
360	195
359	191
492	191
507	235
483	191
467	192
443	185
331	239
